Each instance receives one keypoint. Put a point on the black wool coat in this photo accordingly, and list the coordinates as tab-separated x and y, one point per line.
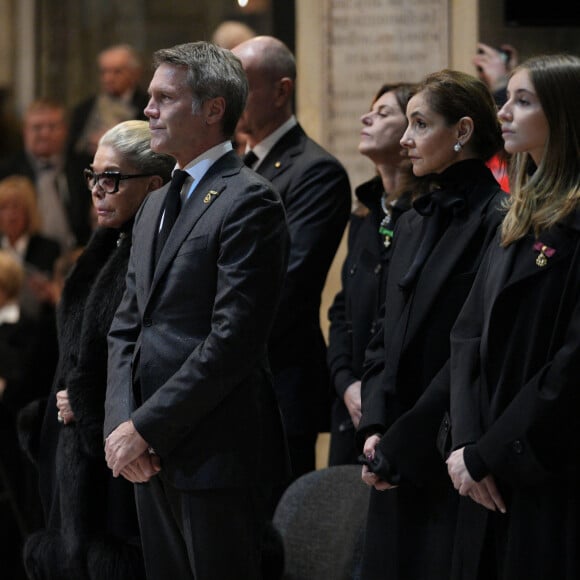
515	403
90	517
410	530
355	309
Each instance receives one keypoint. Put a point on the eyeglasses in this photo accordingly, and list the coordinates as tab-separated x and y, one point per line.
108	181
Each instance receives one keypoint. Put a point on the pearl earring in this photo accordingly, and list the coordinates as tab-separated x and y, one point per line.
457	147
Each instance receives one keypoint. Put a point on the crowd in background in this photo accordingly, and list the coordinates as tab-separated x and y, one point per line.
452	357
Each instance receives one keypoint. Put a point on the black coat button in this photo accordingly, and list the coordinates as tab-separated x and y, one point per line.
518	447
147	322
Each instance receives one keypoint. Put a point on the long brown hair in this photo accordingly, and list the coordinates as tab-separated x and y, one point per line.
542	196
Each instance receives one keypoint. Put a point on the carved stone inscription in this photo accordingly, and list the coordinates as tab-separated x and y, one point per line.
372	42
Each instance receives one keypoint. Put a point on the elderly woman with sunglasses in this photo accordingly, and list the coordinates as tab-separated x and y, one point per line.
91	526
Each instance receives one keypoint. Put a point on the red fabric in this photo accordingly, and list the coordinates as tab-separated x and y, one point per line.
499	169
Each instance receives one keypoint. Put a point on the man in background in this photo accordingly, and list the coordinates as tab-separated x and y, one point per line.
316	194
120	98
62	199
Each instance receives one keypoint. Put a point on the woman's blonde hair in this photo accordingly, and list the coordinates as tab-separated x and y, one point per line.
542	196
20	188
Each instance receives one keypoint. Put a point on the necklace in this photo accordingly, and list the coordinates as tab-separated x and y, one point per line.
386	226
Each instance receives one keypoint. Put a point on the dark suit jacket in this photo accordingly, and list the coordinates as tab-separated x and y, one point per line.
198	324
315	191
78	197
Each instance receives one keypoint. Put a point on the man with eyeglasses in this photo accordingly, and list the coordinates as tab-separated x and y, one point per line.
61	195
190	413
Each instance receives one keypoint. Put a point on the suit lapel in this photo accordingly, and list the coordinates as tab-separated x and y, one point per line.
202	198
279	159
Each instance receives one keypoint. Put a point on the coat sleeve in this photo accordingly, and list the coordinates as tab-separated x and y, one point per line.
413	445
538	435
122	340
339	354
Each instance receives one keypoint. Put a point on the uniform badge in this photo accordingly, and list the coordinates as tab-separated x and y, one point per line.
210	195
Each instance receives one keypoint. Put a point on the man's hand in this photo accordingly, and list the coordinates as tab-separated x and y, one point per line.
123	446
352	400
143	468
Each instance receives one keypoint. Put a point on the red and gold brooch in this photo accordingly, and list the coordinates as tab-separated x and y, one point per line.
545	253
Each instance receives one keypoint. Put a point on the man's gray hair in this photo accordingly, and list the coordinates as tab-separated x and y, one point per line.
212	72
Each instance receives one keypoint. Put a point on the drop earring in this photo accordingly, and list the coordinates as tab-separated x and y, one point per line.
457	147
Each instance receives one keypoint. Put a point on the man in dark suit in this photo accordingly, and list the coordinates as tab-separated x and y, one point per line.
190	408
315	191
62	198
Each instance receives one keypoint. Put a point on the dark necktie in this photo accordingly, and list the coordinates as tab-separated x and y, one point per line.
250	158
171	209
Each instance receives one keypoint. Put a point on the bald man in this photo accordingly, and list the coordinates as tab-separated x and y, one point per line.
316	194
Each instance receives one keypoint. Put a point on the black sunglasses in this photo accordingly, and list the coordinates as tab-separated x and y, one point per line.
108	181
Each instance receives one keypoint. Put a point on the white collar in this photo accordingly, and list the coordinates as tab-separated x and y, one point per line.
266	145
201	164
9	313
18	250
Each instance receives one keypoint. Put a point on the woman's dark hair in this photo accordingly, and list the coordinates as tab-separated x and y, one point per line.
402	91
453	95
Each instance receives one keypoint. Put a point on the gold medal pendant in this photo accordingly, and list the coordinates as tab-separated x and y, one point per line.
541	260
545	253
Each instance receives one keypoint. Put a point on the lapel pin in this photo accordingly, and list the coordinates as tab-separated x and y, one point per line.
277	165
210	195
545	253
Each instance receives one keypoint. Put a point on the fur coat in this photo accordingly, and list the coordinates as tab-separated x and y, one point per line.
91	525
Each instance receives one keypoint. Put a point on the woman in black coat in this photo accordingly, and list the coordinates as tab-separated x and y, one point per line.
356	307
91	527
515	350
439	244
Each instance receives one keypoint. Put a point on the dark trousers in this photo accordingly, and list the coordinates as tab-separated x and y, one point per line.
211	534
